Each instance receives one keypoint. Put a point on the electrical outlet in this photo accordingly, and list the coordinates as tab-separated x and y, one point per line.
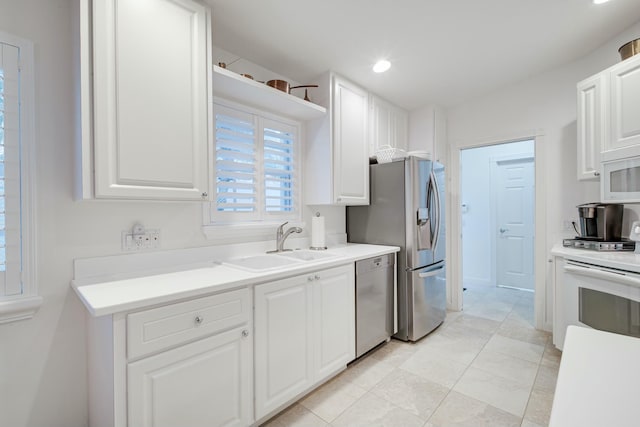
140	240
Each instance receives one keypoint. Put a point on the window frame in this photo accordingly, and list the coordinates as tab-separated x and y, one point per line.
234	230
25	305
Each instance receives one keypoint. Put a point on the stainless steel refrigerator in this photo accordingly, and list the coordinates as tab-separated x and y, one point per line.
407	210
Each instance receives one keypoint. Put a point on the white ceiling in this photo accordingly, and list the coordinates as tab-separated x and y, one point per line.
443	51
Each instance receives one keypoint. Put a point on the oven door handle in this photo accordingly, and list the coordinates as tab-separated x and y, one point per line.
601	274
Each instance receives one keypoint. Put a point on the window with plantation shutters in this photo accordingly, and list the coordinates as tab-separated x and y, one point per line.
256	164
18	299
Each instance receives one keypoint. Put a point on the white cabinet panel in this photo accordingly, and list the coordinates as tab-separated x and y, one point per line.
625	104
283	349
389	125
170	325
334	320
205	384
351	159
304	333
337	152
283	342
150	99
592	124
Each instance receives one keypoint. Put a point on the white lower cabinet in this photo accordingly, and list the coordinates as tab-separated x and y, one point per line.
304	333
206	383
184	364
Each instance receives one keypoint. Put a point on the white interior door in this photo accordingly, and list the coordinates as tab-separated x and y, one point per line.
514	209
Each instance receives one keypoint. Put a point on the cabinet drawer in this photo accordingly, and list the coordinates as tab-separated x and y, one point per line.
159	328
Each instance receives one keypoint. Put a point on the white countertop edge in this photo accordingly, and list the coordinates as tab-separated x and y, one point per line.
597	381
115	296
628	260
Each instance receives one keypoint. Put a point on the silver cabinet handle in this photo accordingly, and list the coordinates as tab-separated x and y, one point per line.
504	230
596	173
245	333
198	320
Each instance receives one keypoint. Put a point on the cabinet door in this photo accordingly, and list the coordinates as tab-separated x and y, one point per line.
592	124
380	120
206	383
150	96
283	342
350	144
399	128
334	320
625	104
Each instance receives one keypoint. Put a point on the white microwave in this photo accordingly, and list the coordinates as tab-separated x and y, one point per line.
620	181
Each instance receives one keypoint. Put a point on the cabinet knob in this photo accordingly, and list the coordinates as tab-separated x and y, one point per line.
596	173
316	277
310	279
245	333
205	195
198	320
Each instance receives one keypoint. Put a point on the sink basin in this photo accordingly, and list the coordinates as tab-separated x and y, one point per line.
261	262
306	255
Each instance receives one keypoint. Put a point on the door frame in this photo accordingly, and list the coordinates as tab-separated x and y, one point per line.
543	297
494	164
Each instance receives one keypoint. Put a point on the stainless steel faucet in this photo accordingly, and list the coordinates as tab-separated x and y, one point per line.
282	235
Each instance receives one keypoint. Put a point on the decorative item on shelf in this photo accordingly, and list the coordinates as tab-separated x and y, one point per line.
249	76
222	65
629	49
317	233
387	153
283	85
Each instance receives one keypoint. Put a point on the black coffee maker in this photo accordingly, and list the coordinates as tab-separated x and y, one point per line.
601	221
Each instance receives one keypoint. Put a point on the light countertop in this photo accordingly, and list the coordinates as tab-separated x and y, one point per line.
621	260
109	297
598	380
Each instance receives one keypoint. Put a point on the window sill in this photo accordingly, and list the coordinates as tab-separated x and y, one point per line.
21	308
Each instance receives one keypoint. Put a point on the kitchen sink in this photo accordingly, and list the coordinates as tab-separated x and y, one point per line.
278	260
305	255
262	262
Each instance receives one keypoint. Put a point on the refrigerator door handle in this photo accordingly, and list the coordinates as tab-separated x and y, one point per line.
431	273
436	234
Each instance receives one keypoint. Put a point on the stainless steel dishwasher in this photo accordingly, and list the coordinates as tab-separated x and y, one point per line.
375	302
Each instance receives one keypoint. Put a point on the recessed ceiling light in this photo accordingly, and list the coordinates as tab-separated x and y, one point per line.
599	1
381	66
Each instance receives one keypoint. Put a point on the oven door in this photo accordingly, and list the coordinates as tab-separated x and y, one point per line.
602	298
620	180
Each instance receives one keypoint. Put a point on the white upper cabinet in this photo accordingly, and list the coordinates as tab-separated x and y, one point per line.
149	78
388	124
625	106
592	124
337	154
428	132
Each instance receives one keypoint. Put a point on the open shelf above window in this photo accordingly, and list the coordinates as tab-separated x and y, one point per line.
233	86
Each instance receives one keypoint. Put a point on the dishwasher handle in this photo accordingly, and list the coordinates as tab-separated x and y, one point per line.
603	274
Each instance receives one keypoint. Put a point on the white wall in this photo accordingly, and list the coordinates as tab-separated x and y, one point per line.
478	255
543	105
43	360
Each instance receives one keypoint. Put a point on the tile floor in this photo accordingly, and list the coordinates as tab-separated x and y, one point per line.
485	366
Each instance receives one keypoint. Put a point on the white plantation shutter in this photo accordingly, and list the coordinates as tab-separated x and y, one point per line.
279	168
237	175
10	247
256	167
